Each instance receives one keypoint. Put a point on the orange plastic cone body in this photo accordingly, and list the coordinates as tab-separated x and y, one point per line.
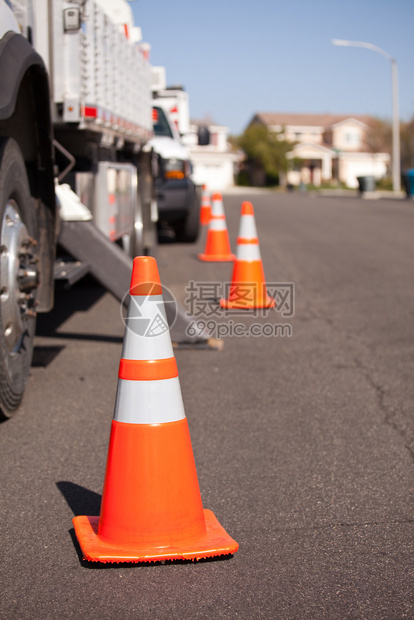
248	285
217	244
151	505
205	211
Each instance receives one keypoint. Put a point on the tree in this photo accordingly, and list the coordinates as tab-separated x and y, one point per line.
378	139
265	150
407	145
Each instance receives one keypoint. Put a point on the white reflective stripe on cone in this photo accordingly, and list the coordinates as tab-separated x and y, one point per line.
147	336
217	224
149	402
248	251
247	227
217	208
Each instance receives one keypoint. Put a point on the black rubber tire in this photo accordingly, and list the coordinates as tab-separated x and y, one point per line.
189	229
15	367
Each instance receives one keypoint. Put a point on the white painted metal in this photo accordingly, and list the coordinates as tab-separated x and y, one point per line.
71	207
96	66
169	149
8	20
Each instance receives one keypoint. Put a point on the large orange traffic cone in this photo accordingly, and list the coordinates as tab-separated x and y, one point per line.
205	211
248	286
151	505
217	243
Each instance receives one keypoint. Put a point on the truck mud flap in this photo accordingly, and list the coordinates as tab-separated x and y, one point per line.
112	268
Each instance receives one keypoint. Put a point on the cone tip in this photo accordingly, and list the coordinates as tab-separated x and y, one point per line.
145	279
247	208
217	196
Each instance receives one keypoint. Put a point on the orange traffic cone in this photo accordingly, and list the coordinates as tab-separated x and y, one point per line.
248	286
217	244
205	211
151	505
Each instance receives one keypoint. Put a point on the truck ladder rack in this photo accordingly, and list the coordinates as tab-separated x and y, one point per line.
112	268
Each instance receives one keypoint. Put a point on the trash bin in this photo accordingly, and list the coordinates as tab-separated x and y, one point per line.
366	183
408	179
302	187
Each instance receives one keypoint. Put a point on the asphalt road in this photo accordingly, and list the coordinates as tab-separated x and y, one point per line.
304	445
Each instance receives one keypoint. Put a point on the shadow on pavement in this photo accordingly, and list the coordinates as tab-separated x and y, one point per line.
44	355
80	500
79	298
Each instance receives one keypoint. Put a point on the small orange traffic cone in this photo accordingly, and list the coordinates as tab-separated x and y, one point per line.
217	243
205	211
248	286
151	505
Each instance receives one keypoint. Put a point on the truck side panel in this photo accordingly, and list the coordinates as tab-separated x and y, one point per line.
100	79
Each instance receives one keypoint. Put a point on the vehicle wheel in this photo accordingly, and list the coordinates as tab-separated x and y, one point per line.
19	277
189	230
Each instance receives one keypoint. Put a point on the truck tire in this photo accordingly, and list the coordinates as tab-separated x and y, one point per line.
189	230
19	277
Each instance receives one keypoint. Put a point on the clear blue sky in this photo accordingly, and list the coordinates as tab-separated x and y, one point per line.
238	57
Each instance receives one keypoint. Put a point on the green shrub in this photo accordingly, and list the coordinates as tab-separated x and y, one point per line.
242	178
385	184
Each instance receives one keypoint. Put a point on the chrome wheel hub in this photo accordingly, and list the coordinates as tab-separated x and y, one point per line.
19	277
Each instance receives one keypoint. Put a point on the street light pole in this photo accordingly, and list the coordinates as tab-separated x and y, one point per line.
396	167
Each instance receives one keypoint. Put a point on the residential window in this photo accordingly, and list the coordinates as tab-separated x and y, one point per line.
352	138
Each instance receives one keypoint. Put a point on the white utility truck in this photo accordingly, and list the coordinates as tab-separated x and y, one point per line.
76	167
178	197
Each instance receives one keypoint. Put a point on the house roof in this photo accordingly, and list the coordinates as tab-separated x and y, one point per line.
303	120
324	148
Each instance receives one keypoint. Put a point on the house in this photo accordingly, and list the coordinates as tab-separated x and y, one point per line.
213	164
328	147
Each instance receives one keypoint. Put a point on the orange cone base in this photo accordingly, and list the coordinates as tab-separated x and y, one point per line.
217	258
215	542
268	302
